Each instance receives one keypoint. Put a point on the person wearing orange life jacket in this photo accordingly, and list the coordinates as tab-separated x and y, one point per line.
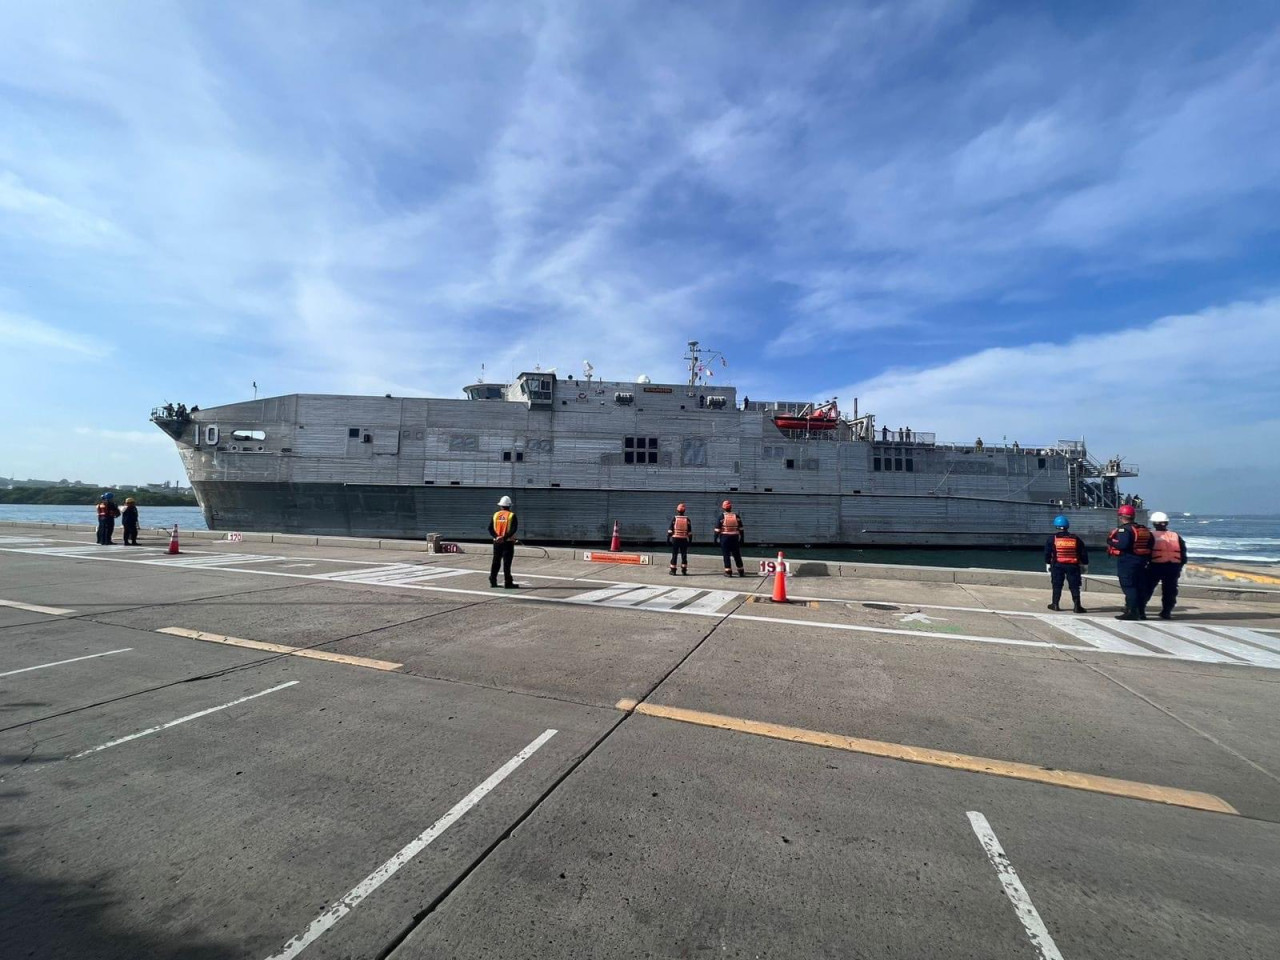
1168	557
503	530
1131	543
107	513
679	533
729	531
1065	559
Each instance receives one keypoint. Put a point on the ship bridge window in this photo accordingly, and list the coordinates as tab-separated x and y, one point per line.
353	433
640	450
248	435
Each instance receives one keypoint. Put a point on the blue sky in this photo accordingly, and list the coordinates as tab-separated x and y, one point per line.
1033	220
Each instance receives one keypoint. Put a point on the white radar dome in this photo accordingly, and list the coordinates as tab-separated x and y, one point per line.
643	379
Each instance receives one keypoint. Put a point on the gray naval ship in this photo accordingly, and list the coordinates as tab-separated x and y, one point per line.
578	453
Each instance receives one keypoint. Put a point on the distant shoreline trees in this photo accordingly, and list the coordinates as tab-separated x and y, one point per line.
88	496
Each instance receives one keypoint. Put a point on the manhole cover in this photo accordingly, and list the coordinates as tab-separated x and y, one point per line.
880	606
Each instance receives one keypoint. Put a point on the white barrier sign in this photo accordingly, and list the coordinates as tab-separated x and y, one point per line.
769	568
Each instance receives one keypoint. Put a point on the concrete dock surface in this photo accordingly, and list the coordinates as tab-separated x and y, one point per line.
271	749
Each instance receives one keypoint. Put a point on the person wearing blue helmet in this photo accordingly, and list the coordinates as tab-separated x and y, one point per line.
107	513
1065	559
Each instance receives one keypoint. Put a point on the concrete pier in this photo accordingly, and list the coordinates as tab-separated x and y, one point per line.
287	747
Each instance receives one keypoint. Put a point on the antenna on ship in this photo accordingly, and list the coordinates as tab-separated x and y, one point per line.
587	370
697	368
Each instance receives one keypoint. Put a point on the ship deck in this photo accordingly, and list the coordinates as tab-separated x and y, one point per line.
278	747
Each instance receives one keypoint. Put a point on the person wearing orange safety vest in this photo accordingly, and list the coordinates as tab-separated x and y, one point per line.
729	531
503	530
679	533
1168	557
1131	543
1065	559
107	513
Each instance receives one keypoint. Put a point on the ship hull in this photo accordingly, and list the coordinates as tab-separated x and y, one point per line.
397	511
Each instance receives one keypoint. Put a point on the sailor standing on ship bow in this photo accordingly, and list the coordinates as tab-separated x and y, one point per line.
503	530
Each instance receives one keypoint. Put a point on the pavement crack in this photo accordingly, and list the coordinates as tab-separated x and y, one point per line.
1186	723
423	915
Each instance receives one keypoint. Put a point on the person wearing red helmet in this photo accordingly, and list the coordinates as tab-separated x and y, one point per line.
679	533
729	531
1130	543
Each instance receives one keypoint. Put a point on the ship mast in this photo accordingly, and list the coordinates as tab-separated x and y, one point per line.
695	358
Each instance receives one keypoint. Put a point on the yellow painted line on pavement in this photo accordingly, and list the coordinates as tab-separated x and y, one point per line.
941	758
281	648
33	608
1234	574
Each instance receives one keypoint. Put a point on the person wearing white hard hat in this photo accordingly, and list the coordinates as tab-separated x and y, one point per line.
503	530
1168	557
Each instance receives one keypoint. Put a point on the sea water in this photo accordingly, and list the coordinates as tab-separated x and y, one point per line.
1233	539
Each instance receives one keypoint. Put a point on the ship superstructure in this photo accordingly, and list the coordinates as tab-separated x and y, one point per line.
577	453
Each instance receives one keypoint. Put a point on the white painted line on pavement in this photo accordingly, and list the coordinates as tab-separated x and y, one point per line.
1255	635
174	723
1013	889
1167	643
376	879
1215	641
1091	634
33	608
58	663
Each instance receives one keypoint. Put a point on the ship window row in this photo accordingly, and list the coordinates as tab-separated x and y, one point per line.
506	456
639	449
810	463
893	463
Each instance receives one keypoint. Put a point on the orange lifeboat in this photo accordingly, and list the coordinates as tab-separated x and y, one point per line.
824	418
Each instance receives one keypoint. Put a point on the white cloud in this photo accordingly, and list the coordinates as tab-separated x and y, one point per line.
1192	399
26	334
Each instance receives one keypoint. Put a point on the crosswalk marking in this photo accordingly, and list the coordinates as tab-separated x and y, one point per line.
1093	635
1252	636
606	593
639	597
1216	641
199	561
672	598
712	602
393	574
61	551
1167	643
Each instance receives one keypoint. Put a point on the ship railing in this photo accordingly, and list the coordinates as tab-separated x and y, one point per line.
901	438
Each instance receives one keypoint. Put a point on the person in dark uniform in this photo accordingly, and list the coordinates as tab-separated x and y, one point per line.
1130	543
503	530
729	532
1065	559
1168	557
107	513
130	520
679	534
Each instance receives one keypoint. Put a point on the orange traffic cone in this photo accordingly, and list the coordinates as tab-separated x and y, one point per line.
780	581
616	544
173	540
